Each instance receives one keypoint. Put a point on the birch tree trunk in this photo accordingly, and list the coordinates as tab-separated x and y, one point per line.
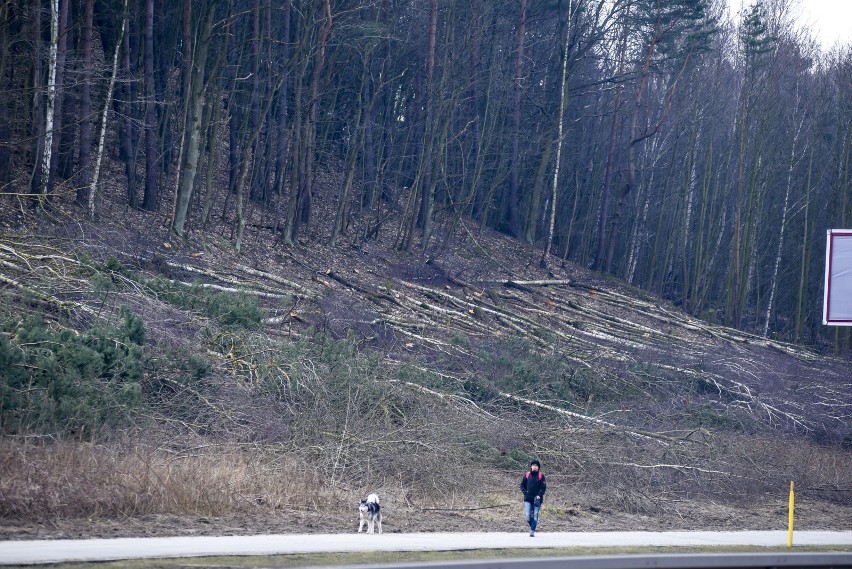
51	99
563	101
58	50
102	138
774	280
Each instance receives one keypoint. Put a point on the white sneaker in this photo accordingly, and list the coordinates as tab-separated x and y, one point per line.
532	533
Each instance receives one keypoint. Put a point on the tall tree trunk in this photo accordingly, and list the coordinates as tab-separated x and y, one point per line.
37	119
213	151
563	102
370	169
439	104
130	110
150	199
186	119
293	224
427	148
634	248
217	114
702	234
773	282
281	146
842	334
532	217
356	143
635	139
51	98
313	111
603	223
167	37
686	229
196	92
58	74
5	141
513	197
246	165
102	138
86	105
473	104
237	122
736	276
67	130
254	63
370	172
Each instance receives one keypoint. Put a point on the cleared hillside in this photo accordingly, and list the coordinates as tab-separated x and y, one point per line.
161	386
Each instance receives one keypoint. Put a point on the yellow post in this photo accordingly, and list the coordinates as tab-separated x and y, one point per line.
790	521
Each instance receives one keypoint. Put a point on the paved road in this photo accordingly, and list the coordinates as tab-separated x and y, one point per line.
53	551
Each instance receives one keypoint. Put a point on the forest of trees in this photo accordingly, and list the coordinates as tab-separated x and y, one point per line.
695	155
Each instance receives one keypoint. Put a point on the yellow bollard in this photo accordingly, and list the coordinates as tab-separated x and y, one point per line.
790	521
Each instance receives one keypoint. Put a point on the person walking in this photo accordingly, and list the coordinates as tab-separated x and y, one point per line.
533	486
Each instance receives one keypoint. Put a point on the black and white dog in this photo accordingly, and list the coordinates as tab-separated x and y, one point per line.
370	513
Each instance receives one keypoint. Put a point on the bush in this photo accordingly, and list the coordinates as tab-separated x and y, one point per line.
55	380
228	309
514	365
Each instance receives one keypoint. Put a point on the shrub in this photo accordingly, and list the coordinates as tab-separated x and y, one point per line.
58	381
514	365
228	309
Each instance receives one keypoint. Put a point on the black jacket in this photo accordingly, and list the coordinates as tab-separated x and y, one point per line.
533	484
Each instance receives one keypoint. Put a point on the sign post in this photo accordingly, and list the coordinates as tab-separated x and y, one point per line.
837	301
790	516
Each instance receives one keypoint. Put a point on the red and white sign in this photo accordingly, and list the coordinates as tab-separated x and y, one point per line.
837	304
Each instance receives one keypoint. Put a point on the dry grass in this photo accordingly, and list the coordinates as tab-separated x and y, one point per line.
126	479
74	480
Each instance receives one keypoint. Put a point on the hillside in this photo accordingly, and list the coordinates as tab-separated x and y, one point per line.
269	390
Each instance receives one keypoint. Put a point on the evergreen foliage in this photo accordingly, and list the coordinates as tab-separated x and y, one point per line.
227	309
54	380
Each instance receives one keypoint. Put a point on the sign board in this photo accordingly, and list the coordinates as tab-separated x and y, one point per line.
837	302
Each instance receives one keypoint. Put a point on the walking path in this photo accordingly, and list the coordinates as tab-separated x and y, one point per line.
55	551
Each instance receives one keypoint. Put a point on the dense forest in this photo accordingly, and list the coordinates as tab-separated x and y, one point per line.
697	154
